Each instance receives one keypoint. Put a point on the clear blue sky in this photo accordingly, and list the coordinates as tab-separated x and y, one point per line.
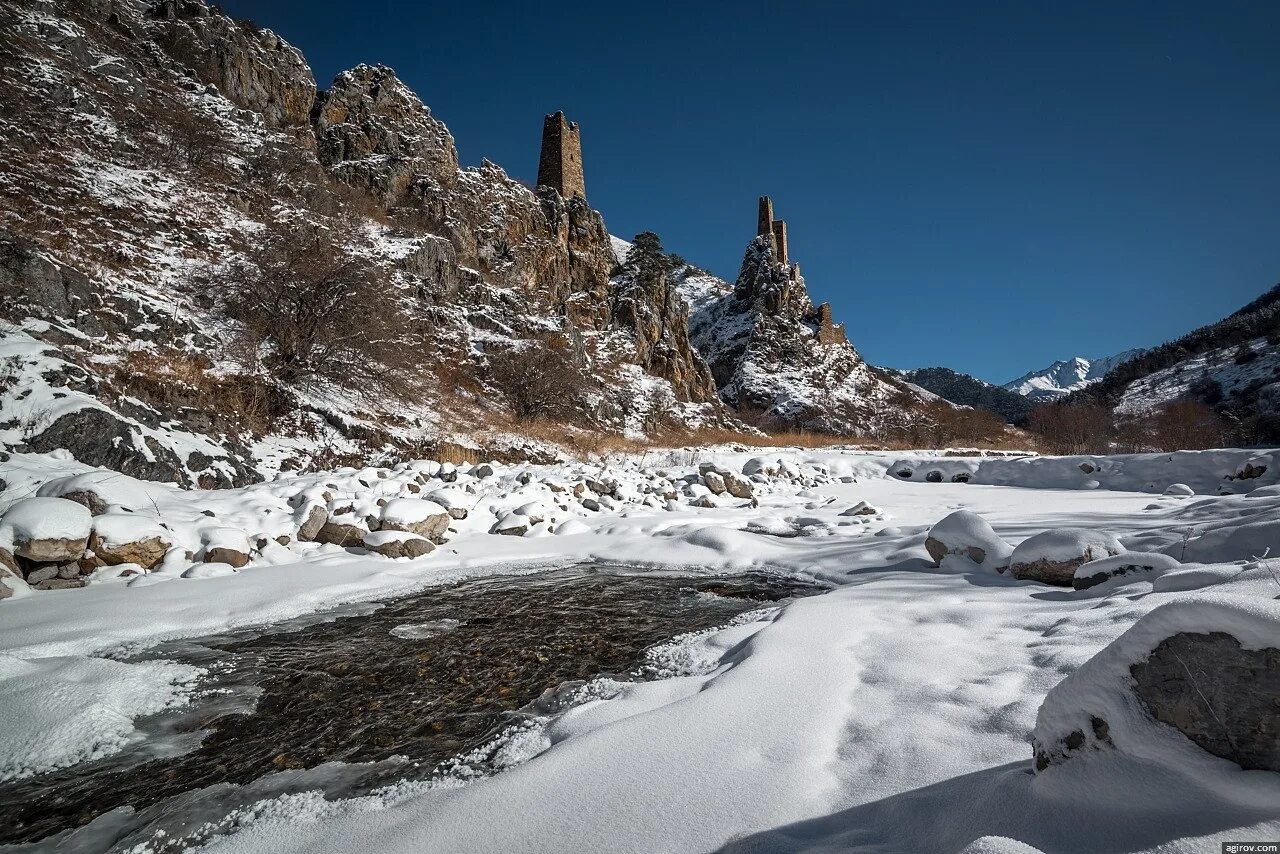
983	185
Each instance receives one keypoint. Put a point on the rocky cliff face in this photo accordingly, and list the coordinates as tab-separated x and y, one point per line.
156	147
778	357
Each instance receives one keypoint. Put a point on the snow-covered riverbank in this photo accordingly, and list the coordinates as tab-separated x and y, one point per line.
892	714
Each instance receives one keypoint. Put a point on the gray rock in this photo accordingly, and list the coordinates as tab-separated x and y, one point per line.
1223	697
315	520
340	534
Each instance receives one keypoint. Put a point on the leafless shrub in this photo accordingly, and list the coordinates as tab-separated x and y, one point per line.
542	381
1083	428
311	310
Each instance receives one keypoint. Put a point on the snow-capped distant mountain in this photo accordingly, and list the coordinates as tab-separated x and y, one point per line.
1064	377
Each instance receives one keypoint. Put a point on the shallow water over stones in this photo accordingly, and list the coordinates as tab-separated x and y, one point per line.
398	691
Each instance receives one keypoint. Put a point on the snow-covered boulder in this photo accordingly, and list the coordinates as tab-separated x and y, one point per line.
226	545
534	511
737	486
761	466
46	530
512	525
99	491
1130	565
714	482
415	515
396	544
1052	556
1179	490
121	538
1192	680
967	534
457	502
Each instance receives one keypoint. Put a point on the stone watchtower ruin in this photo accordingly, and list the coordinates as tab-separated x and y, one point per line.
560	165
766	225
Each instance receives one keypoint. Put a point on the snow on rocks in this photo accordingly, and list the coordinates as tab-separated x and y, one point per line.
1052	556
1130	566
455	501
226	545
129	538
967	534
46	529
1212	472
1190	684
1179	490
415	515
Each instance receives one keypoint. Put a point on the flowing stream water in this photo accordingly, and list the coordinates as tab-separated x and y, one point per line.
409	690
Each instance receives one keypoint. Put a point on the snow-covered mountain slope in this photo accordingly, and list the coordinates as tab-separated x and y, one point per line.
1251	369
1065	376
1232	366
965	390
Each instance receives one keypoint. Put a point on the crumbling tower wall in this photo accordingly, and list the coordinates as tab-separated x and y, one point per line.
560	165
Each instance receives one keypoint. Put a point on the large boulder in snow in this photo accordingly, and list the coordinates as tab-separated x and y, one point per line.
1131	565
120	538
415	515
46	530
1223	696
1052	556
1194	679
315	519
967	534
457	502
226	545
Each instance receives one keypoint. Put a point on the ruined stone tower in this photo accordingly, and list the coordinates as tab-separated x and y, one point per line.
766	224
560	165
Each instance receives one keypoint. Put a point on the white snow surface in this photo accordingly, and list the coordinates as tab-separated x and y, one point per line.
44	519
892	714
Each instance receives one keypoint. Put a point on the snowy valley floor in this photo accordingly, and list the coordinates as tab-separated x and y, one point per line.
892	714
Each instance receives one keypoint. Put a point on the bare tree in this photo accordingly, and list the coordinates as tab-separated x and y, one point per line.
541	381
1083	428
311	309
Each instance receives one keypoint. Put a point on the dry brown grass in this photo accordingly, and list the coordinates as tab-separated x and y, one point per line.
176	381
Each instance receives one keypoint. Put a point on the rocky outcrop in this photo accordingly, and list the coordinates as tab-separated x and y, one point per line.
95	437
375	133
1223	697
646	303
31	280
773	352
253	67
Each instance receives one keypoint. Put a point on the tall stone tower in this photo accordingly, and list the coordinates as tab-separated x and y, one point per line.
766	224
560	165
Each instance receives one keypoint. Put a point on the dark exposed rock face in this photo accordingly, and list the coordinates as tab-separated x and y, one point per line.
96	437
31	280
254	68
1220	695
